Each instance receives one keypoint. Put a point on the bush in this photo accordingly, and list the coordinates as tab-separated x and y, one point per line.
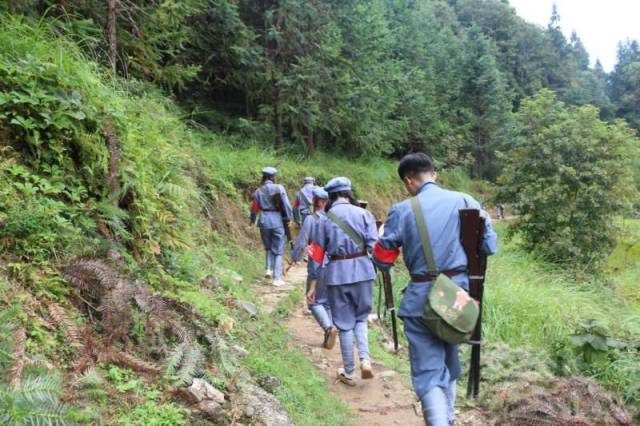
58	118
568	175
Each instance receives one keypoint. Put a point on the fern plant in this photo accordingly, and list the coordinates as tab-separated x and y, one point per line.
184	362
35	400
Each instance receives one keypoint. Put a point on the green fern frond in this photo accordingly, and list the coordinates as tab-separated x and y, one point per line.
53	414
191	365
175	190
174	360
34	402
38	389
92	384
7	328
116	218
91	378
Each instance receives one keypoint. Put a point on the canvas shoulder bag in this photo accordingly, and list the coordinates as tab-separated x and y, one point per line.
450	313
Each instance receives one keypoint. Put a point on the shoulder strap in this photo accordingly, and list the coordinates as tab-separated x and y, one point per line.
305	197
346	229
424	235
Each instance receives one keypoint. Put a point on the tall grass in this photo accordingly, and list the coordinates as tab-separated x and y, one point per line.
528	302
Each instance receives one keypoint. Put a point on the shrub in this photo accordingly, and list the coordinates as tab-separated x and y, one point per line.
568	176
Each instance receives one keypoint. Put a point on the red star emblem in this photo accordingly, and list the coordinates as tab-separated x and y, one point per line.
461	300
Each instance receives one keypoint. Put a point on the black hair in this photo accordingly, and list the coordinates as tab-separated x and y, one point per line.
413	164
333	196
317	201
266	177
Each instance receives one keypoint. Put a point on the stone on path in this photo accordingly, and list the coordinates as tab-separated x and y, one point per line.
387	374
247	307
262	407
201	390
204	399
211	282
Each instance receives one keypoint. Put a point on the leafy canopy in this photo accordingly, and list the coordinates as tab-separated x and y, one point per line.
568	177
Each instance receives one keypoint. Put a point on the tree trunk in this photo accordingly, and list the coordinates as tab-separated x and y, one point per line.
278	117
311	143
112	7
114	159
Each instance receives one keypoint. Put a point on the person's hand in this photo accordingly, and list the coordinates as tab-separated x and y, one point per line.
311	292
311	296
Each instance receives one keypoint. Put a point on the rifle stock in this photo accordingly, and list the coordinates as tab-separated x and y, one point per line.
277	200
472	232
389	305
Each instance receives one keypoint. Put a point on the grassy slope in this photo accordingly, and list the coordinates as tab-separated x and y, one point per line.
530	305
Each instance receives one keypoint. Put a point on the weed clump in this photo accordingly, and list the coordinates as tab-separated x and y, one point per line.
559	402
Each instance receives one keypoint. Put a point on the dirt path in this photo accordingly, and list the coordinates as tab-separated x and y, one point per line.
384	400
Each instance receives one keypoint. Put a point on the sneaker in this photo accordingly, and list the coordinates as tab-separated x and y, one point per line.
268	273
330	336
365	369
345	378
278	283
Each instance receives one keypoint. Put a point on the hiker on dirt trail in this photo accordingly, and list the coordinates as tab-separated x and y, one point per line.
500	211
346	235
317	299
303	203
434	363
271	201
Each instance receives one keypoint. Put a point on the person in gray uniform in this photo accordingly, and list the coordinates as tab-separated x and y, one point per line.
345	236
303	203
317	298
271	205
435	366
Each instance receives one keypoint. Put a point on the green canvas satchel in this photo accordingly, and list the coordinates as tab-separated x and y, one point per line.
450	313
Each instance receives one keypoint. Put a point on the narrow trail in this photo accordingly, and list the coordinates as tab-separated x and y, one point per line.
383	400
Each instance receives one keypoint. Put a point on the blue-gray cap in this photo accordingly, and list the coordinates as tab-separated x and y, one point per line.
309	179
320	193
338	184
270	171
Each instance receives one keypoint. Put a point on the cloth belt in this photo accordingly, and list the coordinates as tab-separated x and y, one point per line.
270	210
431	277
348	256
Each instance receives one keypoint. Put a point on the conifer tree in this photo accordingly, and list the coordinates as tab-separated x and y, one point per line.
487	101
625	83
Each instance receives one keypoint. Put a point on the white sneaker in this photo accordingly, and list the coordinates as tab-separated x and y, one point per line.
366	371
278	283
345	378
268	273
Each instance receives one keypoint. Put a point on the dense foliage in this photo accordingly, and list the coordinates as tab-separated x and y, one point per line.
59	189
569	178
363	76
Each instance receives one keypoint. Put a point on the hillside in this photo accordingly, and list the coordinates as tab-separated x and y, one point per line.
128	268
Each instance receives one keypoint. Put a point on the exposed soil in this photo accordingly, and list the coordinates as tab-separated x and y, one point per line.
388	400
384	400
